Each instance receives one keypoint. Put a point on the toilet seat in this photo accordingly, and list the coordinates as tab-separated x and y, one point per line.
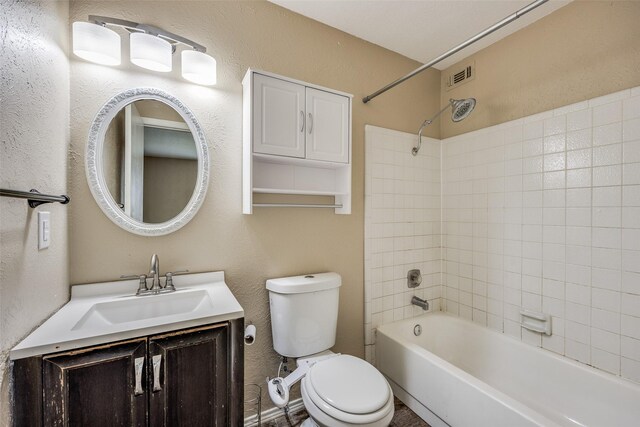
349	390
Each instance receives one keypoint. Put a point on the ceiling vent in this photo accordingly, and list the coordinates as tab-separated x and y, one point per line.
460	76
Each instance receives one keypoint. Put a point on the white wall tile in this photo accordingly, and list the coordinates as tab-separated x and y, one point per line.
631	130
630	282
630	326
579	159
579	139
608	134
579	120
566	252
532	147
631	173
607	155
631	305
607	113
605	299
557	162
580	197
631	108
577	351
630	348
606	99
555	143
605	320
402	217
544	214
607	216
631	217
556	125
607	196
631	151
579	178
578	294
630	369
606	361
533	130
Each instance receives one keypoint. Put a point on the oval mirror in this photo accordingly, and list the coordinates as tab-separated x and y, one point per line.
147	162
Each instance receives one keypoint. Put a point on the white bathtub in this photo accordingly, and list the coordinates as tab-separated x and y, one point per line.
460	374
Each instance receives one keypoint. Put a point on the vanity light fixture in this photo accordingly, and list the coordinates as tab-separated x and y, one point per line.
198	67
96	43
150	47
150	52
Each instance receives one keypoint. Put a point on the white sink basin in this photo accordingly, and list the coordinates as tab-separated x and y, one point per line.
144	307
100	313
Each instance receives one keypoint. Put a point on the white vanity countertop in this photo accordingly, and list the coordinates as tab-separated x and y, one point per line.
106	312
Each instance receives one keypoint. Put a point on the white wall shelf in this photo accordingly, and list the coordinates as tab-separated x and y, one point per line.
296	140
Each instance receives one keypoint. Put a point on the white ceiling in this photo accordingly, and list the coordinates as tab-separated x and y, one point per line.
421	29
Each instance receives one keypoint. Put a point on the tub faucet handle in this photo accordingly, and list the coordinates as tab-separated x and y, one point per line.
414	278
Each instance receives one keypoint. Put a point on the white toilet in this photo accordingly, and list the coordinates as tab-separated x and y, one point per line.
337	390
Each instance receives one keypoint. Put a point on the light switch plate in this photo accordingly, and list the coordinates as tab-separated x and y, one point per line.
44	230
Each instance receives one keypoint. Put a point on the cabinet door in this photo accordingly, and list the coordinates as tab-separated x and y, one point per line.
96	387
327	126
188	378
278	117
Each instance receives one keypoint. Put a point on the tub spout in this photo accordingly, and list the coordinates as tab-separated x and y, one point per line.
423	303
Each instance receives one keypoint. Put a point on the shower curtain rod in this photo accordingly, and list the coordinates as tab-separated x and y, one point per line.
461	46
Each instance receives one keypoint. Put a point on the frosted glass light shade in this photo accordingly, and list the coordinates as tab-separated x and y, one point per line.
150	52
95	43
199	68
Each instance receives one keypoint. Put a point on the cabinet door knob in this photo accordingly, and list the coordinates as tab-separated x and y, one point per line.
310	123
139	364
157	362
301	121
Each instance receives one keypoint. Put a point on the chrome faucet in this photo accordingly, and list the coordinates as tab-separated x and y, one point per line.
422	303
154	274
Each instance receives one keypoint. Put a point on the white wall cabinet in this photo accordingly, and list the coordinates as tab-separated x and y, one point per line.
296	140
328	128
279	117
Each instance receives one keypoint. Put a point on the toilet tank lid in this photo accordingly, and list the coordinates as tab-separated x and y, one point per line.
304	283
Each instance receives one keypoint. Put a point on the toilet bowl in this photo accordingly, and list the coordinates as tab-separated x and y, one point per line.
337	390
346	391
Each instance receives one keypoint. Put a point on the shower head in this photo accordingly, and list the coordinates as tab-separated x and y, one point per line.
461	108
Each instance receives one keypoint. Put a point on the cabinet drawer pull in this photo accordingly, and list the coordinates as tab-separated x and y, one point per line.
139	364
310	123
157	362
301	121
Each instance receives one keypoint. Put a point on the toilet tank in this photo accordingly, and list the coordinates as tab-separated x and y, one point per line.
304	313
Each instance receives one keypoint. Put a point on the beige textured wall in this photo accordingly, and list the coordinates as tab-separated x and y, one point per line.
34	142
272	242
584	50
157	110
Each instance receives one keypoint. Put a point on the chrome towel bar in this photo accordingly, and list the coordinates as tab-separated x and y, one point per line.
34	197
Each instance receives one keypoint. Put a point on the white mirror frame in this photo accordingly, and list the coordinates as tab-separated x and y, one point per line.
94	167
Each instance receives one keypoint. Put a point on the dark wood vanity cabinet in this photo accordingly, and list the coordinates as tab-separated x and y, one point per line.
197	381
190	388
95	387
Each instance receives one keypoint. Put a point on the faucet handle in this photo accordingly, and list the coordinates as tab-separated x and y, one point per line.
142	285
168	284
